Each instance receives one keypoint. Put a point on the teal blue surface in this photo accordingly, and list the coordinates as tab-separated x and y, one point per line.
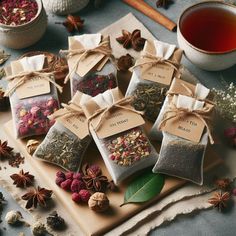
207	223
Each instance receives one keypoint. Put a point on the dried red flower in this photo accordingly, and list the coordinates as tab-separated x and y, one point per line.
73	23
219	200
37	196
223	183
22	179
5	150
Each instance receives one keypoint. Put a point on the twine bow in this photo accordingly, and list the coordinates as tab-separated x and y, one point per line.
70	111
203	114
26	75
122	104
154	60
103	48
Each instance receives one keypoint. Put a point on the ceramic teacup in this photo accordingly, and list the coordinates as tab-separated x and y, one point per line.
212	60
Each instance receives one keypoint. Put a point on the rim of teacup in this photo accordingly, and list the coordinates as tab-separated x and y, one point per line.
194	47
40	7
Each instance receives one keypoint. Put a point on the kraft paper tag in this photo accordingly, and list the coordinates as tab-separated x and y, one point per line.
189	127
33	87
159	73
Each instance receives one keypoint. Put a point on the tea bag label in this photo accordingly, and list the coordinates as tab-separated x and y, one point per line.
116	122
76	124
33	87
159	73
188	127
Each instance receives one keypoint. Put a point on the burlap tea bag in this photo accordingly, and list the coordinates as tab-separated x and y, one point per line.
152	76
116	128
68	139
91	64
186	126
33	96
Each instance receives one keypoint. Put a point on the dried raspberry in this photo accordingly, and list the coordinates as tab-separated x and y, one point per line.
85	195
66	184
77	176
69	175
76	197
77	185
60	174
59	180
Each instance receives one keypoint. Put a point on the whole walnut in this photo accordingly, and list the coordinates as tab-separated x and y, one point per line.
98	202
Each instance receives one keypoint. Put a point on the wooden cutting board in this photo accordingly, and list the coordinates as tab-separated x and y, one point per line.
93	223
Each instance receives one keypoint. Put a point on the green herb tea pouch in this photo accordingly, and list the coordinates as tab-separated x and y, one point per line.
116	128
91	67
152	76
68	139
186	125
33	96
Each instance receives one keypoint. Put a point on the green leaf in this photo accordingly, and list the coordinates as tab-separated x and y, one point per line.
144	188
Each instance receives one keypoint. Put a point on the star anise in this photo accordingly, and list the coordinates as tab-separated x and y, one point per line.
219	200
94	179
163	3
23	179
37	196
5	150
131	40
125	62
73	23
222	183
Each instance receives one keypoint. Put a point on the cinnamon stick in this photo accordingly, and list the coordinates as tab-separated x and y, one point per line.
152	13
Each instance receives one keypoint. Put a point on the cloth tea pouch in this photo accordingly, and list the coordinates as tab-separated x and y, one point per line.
116	128
186	126
152	76
91	67
33	95
68	139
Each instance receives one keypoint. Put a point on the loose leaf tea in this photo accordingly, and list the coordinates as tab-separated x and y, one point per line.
128	148
149	98
93	84
62	147
144	188
17	12
31	115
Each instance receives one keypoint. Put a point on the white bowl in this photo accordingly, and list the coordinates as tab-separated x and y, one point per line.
25	35
212	61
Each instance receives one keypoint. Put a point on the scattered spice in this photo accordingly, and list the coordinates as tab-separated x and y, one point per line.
73	23
149	98
39	229
129	147
3	56
131	40
163	3
94	179
93	84
37	196
16	160
32	145
55	221
32	115
98	202
5	150
22	179
125	62
219	200
17	12
223	184
4	101
111	186
62	148
14	217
